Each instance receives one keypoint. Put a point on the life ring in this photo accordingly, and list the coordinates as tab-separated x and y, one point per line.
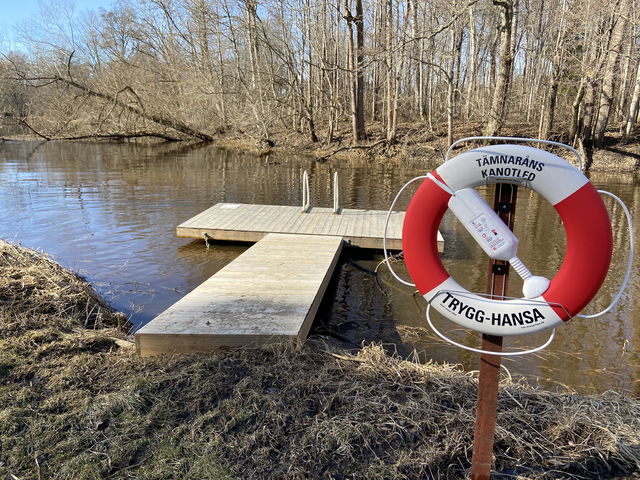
586	222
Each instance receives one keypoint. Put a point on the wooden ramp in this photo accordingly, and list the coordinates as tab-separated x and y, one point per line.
269	293
249	223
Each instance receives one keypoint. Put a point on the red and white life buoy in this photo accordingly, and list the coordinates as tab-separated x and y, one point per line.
586	222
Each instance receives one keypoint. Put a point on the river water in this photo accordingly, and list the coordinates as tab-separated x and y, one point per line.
109	212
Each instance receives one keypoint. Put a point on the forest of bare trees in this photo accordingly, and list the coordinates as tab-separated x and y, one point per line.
569	69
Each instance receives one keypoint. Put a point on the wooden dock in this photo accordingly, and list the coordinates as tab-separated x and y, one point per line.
270	293
249	223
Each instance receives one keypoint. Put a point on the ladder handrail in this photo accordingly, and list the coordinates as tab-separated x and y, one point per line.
306	202
306	198
336	195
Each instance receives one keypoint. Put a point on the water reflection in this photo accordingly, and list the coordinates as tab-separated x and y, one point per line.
109	212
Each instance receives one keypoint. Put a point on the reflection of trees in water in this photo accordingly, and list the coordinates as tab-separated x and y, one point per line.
585	348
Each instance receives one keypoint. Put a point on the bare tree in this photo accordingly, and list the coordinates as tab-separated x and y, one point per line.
501	90
355	63
634	107
260	68
611	63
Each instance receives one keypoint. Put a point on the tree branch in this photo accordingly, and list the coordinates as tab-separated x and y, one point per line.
159	119
324	158
21	121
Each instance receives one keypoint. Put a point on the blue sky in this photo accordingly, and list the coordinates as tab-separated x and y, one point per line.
13	12
16	12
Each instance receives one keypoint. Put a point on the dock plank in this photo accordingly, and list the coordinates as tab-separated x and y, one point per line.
249	223
261	297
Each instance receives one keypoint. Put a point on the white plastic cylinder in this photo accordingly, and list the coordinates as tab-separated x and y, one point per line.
484	225
493	235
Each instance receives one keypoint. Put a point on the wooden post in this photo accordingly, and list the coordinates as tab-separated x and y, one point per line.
497	283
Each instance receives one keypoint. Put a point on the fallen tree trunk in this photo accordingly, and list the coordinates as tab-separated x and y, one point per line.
114	136
160	120
68	81
23	122
123	136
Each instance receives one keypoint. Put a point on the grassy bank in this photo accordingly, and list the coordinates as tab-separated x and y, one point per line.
76	402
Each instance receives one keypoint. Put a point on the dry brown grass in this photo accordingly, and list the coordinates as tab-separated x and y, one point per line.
76	404
32	285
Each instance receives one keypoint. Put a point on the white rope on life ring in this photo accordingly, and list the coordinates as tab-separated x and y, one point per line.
586	222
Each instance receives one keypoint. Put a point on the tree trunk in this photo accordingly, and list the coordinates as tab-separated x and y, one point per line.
634	107
160	120
550	109
610	74
623	93
251	7
359	111
309	106
355	61
471	63
222	102
574	126
581	132
422	111
390	76
547	120
375	76
450	99
501	92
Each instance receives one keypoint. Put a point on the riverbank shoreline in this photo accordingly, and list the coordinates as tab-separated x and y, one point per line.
413	142
77	402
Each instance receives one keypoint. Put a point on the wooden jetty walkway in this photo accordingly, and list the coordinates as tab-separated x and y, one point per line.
272	291
269	293
249	223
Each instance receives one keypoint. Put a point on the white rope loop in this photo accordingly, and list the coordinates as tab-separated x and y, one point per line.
516	139
386	227
627	275
479	350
